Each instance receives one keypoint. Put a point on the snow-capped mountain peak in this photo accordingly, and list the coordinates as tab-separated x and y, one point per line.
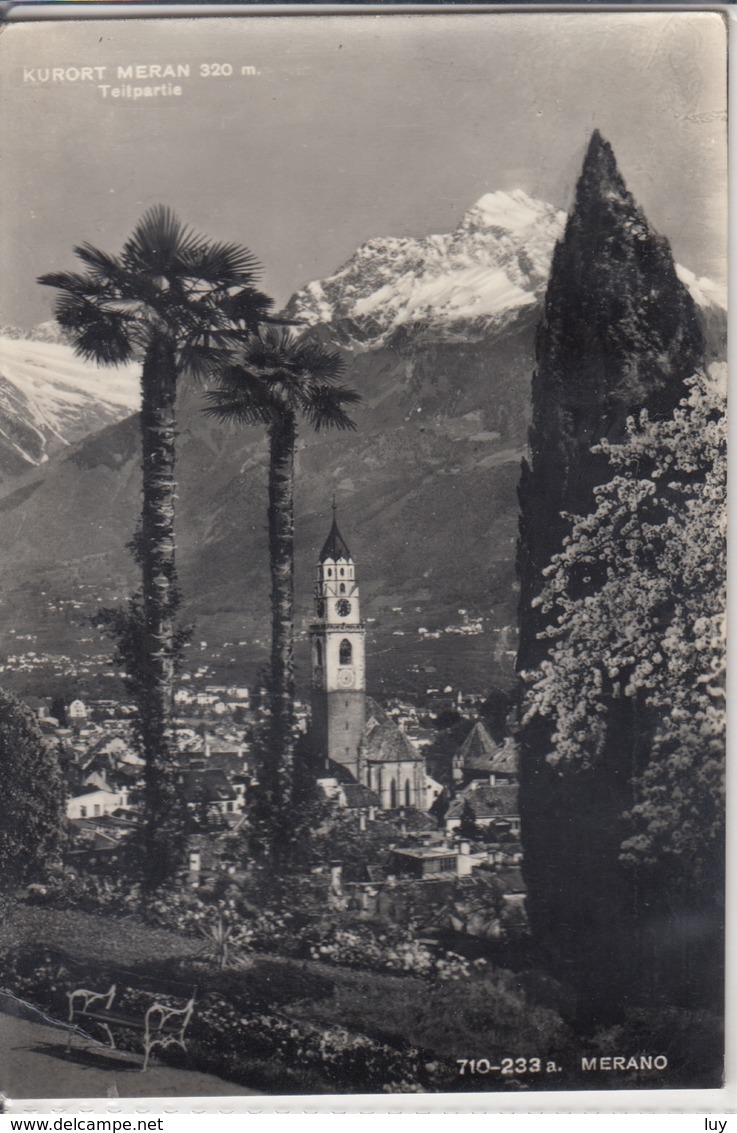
514	212
49	397
478	278
493	263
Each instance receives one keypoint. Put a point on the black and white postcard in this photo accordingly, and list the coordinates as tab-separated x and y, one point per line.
362	575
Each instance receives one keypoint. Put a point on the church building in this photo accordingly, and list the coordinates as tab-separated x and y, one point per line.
338	647
350	731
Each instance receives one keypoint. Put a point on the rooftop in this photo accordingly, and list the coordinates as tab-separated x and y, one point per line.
479	752
359	796
384	743
487	801
335	545
427	853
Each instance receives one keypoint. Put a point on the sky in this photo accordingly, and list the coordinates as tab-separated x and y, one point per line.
331	130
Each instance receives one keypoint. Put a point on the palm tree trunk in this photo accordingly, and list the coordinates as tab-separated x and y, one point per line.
160	601
282	436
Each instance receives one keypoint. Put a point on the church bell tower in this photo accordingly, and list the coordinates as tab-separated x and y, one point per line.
338	650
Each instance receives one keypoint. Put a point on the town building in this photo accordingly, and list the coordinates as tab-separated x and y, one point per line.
93	802
479	757
211	791
432	861
494	808
77	710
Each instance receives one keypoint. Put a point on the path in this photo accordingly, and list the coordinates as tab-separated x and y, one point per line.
34	1064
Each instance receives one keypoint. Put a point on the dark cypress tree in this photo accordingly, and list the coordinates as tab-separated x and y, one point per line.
59	710
619	333
467	827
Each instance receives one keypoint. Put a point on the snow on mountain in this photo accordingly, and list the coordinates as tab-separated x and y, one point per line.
494	263
50	398
704	292
464	294
48	331
470	281
467	287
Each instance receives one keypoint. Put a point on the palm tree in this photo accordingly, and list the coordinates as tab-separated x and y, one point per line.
177	302
277	379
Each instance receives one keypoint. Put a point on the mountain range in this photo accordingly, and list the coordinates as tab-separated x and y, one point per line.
49	398
438	334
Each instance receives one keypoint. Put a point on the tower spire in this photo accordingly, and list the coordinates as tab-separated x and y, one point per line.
335	545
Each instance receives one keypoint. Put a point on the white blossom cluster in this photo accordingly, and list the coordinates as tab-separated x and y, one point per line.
638	602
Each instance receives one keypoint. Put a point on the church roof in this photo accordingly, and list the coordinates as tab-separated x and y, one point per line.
479	753
375	714
384	743
335	545
359	796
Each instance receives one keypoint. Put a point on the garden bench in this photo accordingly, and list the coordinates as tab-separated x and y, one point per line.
161	1025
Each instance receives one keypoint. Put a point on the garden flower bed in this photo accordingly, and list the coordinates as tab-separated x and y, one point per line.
233	1035
234	930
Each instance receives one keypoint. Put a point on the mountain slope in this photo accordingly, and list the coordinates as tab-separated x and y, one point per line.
49	399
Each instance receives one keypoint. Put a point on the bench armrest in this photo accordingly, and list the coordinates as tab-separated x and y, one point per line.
157	1017
159	1014
88	997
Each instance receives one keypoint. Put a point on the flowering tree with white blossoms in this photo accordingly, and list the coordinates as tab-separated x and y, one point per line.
639	593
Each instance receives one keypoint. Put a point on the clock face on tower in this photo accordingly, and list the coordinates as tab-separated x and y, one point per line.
345	678
343	608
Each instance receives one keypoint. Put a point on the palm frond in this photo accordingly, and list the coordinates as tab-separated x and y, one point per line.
167	280
132	308
323	408
279	355
222	264
93	289
158	243
278	338
247	306
82	285
233	405
261	354
98	335
323	365
101	265
345	395
202	360
275	373
227	339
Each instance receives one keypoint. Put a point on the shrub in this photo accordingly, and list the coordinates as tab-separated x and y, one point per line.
392	950
344	1059
31	831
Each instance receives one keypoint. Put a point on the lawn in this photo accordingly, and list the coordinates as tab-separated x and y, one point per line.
289	1025
84	936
